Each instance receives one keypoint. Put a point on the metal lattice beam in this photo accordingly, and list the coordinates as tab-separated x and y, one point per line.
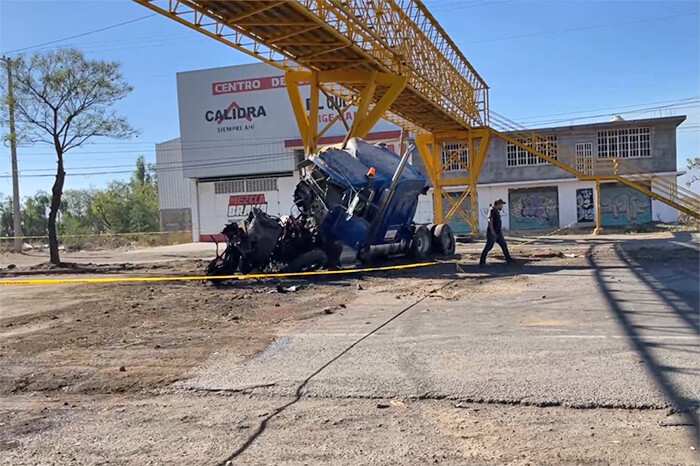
392	36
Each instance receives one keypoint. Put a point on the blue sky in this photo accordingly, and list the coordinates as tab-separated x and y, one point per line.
547	63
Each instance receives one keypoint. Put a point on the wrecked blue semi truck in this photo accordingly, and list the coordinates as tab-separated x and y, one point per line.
363	196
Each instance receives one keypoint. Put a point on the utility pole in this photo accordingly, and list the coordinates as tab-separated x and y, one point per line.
16	219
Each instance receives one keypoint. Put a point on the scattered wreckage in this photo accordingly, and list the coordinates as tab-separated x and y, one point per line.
363	196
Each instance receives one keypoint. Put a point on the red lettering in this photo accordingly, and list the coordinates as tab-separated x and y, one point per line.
246	199
247	85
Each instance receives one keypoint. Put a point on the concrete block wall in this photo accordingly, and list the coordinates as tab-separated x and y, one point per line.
496	169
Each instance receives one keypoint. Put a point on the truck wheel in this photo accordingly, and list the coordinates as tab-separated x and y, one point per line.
333	253
245	267
307	262
444	240
421	243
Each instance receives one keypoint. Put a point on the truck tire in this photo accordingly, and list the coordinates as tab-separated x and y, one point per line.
444	239
245	267
307	262
333	252
421	243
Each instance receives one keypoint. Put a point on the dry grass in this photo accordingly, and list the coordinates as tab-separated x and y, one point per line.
95	242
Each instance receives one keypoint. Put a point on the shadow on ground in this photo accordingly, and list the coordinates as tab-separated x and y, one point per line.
672	276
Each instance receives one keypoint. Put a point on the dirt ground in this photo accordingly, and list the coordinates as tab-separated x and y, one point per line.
86	377
135	337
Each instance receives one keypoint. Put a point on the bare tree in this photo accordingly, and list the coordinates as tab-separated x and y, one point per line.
64	99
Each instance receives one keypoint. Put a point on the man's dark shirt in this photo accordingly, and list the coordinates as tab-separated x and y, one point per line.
495	220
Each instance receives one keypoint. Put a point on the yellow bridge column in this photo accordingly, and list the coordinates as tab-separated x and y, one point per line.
476	162
430	148
430	154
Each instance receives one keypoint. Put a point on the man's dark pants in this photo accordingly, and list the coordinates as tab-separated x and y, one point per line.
490	240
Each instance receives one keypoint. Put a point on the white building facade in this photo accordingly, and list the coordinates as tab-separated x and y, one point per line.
239	147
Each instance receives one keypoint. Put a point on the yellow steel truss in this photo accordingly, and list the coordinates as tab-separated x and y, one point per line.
387	57
399	37
367	113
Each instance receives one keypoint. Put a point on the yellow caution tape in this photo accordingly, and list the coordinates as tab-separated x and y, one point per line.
176	278
58	281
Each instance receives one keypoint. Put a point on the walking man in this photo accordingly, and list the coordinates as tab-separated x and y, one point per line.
494	233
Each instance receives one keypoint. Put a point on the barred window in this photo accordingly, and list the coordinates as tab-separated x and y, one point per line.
455	156
254	185
516	156
229	186
624	143
261	184
584	157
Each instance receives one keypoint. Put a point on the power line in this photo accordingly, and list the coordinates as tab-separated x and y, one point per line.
232	140
83	34
689	103
228	162
583	28
158	40
607	108
460	5
276	139
211	162
142	40
185	146
601	115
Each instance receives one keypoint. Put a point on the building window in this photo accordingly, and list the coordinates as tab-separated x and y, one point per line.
584	157
455	156
229	186
516	156
261	184
298	156
254	185
624	143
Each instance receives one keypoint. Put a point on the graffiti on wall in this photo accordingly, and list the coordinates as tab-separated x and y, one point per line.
621	205
533	209
585	206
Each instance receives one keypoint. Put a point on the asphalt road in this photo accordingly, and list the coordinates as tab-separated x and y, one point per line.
616	329
438	365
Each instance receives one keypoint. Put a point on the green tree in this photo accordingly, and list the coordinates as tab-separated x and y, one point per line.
76	215
35	214
64	100
128	207
143	208
6	227
111	207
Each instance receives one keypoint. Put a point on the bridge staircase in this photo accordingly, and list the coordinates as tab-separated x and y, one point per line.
622	170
